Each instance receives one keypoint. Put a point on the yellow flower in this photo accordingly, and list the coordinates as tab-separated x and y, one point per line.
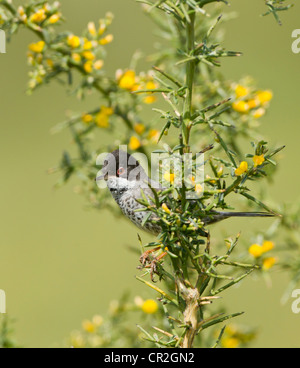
88	66
211	181
220	171
50	63
37	47
102	28
74	41
87	118
150	306
76	57
134	143
38	17
89	55
192	178
88	326
151	85
102	120
256	250
267	246
254	102
47	8
88	45
92	28
265	96
54	18
139	128
169	177
241	106
259	113
106	40
98	64
77	340
166	208
128	80
107	110
258	160
268	263
21	10
198	188
153	135
97	320
149	99
242	169
241	91
230	342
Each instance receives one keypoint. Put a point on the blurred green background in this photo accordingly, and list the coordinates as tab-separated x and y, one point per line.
61	263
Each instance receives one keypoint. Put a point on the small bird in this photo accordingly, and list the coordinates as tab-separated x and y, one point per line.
126	179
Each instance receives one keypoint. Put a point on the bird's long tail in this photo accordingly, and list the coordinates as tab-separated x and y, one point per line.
220	216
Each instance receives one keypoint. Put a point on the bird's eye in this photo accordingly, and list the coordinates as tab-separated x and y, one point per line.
121	171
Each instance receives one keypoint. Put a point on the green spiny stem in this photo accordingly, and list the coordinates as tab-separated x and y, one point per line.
190	73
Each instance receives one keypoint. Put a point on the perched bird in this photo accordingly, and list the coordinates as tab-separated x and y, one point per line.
126	179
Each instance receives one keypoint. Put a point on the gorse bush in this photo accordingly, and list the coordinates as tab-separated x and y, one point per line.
195	110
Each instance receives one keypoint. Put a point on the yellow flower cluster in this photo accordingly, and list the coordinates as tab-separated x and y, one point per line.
84	49
85	53
47	14
197	186
92	326
257	251
129	81
89	337
101	119
37	47
247	102
235	337
243	168
136	142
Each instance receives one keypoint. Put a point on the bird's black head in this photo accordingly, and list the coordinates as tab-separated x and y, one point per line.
121	164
